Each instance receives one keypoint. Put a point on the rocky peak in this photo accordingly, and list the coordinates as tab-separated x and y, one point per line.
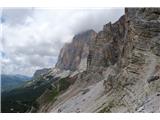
74	55
123	66
108	44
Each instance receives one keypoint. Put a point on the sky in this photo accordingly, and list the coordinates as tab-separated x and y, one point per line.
31	38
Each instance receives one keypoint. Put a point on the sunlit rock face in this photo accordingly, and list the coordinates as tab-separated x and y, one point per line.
73	55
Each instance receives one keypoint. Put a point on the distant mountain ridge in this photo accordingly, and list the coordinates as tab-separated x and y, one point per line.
9	82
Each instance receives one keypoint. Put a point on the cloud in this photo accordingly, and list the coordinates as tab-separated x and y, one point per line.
33	37
14	16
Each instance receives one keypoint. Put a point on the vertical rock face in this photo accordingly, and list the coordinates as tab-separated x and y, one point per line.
140	62
73	55
120	68
108	44
124	57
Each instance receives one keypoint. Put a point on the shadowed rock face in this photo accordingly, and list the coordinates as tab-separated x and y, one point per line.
107	47
72	53
135	81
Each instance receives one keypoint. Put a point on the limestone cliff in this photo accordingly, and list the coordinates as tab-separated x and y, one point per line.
73	55
114	70
123	68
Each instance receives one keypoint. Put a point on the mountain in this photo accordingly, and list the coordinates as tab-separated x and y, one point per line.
114	70
123	69
9	82
73	55
40	72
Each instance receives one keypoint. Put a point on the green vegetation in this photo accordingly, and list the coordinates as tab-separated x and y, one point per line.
24	98
52	95
49	76
63	84
9	82
107	109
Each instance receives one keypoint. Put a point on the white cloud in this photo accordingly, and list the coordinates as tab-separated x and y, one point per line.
33	37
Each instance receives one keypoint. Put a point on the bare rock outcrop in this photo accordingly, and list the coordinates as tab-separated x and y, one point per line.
73	55
124	57
136	84
107	47
122	67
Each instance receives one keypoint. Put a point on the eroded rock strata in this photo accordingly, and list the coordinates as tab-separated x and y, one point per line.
123	68
114	70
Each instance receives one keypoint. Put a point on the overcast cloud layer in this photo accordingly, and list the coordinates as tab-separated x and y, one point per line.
31	38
